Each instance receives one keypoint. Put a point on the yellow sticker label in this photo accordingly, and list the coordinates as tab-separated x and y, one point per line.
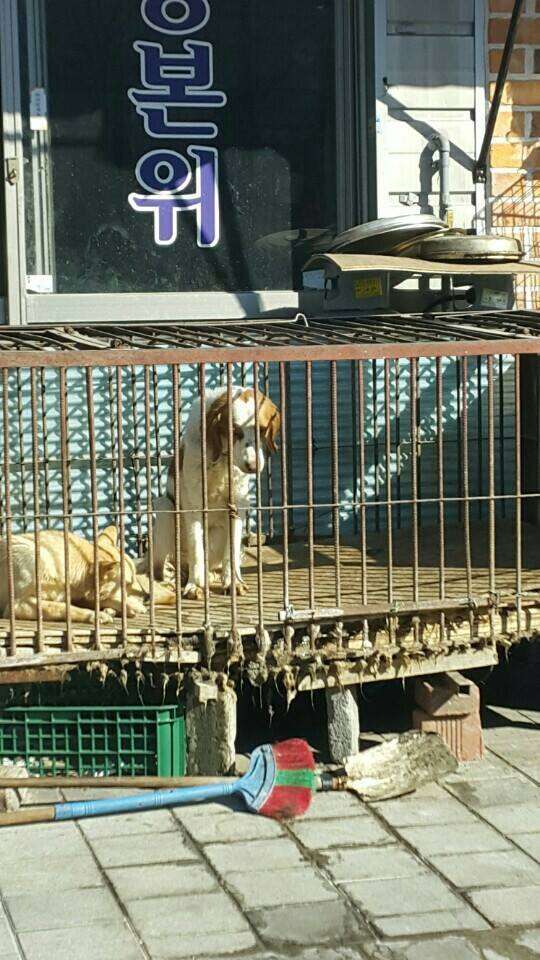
368	287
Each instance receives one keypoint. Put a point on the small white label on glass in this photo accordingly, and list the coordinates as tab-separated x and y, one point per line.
38	109
39	283
494	298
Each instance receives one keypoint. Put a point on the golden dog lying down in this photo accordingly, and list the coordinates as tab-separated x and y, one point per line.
81	577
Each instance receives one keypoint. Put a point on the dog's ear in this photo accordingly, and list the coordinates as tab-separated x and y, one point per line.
106	565
269	422
109	535
217	426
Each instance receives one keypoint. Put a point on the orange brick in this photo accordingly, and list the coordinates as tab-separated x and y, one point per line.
508	184
517	60
507	155
528	30
510	124
521	92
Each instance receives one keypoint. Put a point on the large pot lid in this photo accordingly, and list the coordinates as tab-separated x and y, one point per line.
387	235
458	247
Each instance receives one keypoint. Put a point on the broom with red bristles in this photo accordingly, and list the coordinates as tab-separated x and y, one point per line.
279	783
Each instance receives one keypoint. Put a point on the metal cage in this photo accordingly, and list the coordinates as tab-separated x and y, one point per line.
394	532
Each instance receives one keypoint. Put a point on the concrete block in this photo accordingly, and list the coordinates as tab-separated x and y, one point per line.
463	838
353	831
147	821
520	818
70	908
504	867
235	826
446	695
210	729
306	924
387	898
272	888
161	880
343	720
254	855
531	940
151	848
443	921
106	941
444	948
198	945
509	906
335	805
200	914
415	811
530	843
42	840
508	790
70	873
372	863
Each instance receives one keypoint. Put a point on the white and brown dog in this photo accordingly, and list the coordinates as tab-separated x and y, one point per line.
248	460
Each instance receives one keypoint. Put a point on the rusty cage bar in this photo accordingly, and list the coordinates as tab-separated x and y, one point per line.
389	528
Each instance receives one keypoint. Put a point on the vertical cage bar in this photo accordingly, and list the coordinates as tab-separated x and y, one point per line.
177	448
150	505
414	475
491	488
258	505
94	495
269	468
480	439
159	458
335	480
388	474
465	464
45	441
64	454
232	501
284	487
22	454
136	458
204	481
459	438
121	499
9	519
354	434
440	478
113	439
502	438
375	417
519	543
398	439
362	465
311	511
37	509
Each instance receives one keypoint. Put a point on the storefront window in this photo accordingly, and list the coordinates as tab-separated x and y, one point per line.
228	107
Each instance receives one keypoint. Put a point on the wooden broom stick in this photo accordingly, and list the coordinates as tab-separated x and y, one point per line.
119	783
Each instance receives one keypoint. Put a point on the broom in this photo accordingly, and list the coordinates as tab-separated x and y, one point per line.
279	783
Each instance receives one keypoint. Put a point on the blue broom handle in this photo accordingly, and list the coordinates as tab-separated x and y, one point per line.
145	801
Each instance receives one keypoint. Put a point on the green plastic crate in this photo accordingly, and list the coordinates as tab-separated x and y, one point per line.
113	741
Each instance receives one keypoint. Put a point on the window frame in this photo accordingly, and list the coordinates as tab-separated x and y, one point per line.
355	187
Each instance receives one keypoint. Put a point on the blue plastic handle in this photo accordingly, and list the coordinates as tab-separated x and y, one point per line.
143	801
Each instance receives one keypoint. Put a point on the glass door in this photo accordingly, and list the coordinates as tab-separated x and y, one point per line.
190	150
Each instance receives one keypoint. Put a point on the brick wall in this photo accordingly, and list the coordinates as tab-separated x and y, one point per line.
515	155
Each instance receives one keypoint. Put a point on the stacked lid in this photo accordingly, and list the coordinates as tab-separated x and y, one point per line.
425	237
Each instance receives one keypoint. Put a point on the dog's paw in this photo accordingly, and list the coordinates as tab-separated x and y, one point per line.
241	588
193	592
106	616
135	608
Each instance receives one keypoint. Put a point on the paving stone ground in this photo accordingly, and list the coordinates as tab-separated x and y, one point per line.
449	873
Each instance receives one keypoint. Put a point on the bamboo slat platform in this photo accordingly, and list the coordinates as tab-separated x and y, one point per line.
390	591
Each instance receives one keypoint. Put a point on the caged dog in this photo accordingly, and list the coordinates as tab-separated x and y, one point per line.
247	460
81	576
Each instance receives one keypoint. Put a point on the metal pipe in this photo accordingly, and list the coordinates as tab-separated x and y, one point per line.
439	142
480	168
